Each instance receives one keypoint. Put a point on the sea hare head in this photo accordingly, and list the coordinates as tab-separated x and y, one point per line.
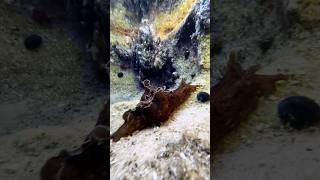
133	122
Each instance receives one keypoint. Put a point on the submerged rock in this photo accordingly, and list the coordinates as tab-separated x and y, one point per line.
298	111
150	59
33	42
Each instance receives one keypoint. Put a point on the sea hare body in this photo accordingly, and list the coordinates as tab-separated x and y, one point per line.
154	108
89	161
237	95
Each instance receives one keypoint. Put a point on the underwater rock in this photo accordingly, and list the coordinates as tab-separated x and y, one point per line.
155	59
202	16
149	59
196	23
154	108
203	96
258	18
238	87
123	54
33	42
143	8
298	111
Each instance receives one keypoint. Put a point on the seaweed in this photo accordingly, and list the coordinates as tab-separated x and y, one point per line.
154	108
237	95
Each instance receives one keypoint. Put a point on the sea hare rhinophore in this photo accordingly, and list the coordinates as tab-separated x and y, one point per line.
237	95
154	108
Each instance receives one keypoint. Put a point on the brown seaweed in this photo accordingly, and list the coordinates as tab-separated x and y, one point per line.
237	95
154	108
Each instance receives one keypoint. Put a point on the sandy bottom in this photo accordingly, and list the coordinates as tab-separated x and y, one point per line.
22	154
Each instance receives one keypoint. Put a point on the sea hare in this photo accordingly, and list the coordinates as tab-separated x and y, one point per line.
154	108
89	161
237	95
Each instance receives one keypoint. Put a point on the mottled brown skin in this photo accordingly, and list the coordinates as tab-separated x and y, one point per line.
51	168
154	108
88	162
237	95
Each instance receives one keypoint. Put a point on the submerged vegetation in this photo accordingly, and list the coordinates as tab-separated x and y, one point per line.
205	52
165	22
120	26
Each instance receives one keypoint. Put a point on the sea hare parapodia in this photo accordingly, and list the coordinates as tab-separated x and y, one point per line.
236	96
154	108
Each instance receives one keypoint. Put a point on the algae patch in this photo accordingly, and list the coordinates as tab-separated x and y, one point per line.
166	22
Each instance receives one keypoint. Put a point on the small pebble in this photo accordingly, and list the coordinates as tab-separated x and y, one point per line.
120	74
33	42
203	96
265	44
308	149
298	111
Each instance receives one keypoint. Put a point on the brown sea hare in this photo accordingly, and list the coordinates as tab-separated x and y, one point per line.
89	161
154	108
237	95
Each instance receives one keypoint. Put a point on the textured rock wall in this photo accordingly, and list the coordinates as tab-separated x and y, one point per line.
252	27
